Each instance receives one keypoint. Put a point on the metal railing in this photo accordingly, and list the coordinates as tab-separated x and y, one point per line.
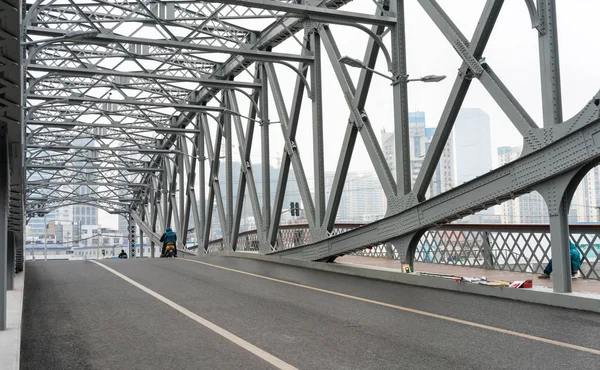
288	236
516	248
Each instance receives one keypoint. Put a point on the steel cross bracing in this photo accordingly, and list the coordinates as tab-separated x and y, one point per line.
143	102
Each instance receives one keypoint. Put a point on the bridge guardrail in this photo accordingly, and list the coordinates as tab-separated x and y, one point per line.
515	248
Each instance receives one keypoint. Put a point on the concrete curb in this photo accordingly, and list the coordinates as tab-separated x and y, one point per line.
578	301
10	339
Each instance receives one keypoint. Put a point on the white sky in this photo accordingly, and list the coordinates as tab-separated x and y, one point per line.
512	52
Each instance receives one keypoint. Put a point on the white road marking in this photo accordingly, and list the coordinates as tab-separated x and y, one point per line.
418	312
280	364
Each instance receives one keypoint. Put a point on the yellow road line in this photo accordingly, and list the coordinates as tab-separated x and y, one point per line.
280	364
411	310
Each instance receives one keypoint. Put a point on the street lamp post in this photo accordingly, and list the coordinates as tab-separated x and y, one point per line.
352	62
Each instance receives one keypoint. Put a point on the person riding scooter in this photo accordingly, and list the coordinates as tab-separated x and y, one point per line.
169	239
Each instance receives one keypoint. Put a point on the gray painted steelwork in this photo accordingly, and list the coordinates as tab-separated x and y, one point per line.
147	135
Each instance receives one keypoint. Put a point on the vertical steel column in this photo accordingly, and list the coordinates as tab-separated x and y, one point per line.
153	216
201	182
246	175
360	98
190	202
165	201
317	122
143	216
400	95
228	163
558	194
10	255
131	228
549	63
289	133
180	170
561	258
4	207
266	163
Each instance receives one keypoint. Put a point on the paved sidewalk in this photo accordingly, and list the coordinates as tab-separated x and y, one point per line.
579	285
10	339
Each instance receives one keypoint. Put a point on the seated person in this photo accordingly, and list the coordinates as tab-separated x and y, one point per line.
169	237
575	262
122	254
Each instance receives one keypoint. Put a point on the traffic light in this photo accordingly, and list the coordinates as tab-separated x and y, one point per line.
297	209
292	208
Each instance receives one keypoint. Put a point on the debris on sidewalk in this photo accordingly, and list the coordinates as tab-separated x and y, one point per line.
480	280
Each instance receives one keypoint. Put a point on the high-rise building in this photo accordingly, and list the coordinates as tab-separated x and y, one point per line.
362	200
84	214
473	144
510	209
443	177
420	138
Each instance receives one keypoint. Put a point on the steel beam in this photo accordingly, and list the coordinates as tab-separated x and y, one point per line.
202	183
317	127
289	133
360	117
485	191
264	147
312	10
145	102
83	72
457	95
360	98
4	217
71	125
291	148
400	98
92	168
246	174
549	62
250	54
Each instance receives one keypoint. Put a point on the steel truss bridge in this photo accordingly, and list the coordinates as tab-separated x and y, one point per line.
134	107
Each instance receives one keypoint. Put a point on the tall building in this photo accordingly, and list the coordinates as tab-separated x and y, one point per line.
362	200
420	138
473	144
84	214
443	178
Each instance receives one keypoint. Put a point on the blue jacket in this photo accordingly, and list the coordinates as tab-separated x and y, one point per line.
169	236
575	257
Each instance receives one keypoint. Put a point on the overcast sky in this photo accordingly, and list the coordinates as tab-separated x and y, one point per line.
512	52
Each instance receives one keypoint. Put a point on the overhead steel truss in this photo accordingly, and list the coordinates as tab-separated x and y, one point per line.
139	102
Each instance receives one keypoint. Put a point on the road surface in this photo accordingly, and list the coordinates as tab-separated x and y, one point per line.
233	313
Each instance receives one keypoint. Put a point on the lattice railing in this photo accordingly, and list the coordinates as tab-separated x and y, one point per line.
289	236
517	248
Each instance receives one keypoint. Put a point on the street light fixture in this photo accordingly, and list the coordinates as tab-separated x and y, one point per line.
352	62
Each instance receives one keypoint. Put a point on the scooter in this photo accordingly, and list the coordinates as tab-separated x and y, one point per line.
169	250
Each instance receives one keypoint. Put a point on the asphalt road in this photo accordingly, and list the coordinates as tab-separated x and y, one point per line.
78	315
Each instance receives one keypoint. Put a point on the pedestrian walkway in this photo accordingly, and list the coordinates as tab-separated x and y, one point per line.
579	285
